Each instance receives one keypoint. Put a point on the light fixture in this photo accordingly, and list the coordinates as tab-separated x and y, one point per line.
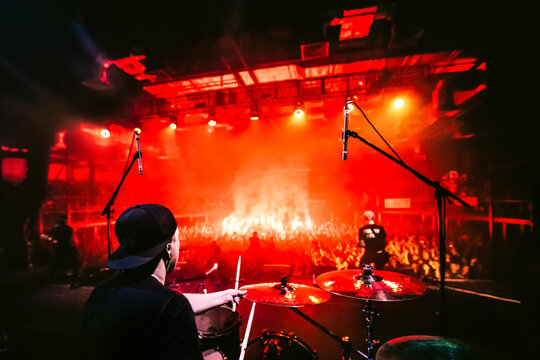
137	130
173	122
348	101
398	103
212	118
254	115
105	133
298	110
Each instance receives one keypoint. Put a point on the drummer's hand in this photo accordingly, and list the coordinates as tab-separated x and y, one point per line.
231	295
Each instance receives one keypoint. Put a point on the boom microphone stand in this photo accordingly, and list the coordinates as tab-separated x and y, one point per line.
108	208
442	195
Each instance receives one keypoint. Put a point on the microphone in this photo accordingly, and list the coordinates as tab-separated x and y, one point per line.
345	129
139	153
214	268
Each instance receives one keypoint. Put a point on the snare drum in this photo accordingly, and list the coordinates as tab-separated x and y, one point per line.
219	329
278	345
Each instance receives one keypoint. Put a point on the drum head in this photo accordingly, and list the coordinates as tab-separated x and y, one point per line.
278	345
217	321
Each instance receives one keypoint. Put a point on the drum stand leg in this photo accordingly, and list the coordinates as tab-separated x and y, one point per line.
344	341
370	315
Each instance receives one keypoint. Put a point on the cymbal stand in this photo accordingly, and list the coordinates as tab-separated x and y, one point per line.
344	341
370	315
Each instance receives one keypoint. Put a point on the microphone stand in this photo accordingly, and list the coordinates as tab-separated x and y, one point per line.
441	195
107	210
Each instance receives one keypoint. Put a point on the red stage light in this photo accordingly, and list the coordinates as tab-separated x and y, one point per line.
172	126
105	133
212	122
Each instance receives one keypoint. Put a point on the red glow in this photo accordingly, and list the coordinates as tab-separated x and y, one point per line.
60	140
14	170
355	23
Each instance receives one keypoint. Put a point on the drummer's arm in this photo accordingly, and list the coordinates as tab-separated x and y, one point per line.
203	302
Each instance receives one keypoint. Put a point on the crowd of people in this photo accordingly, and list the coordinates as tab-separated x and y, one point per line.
410	247
328	246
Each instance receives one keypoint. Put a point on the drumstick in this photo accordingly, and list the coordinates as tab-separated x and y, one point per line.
246	335
237	279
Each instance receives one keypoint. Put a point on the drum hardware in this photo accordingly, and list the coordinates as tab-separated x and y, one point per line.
371	285
273	345
219	330
346	345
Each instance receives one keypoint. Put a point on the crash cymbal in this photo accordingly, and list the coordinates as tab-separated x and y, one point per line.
290	295
373	285
424	347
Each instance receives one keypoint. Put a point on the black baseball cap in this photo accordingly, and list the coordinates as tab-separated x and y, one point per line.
143	232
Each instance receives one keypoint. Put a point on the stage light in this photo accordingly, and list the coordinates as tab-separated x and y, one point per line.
212	122
254	115
174	123
105	133
398	103
137	130
298	110
350	106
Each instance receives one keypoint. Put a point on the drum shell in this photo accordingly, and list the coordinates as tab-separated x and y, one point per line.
219	328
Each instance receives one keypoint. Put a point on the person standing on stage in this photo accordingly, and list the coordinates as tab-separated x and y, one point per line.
65	251
132	315
372	238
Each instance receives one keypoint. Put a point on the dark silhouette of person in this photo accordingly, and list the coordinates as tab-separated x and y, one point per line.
65	251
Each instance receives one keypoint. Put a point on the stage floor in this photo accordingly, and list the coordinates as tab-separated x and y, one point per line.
39	319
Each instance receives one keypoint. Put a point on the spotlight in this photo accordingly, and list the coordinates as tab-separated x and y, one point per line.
105	133
173	124
298	110
254	113
398	103
137	130
212	118
349	105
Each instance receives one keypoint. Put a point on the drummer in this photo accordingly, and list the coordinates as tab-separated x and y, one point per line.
372	238
133	315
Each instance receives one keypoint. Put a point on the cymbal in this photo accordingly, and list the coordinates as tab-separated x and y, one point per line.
424	347
376	285
290	295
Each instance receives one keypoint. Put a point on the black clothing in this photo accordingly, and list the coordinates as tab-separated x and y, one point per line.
65	252
137	319
374	237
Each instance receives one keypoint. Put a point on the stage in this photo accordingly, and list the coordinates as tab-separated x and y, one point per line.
40	319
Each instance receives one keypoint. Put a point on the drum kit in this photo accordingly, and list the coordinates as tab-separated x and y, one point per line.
218	327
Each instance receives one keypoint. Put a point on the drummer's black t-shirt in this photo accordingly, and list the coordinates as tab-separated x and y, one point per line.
137	320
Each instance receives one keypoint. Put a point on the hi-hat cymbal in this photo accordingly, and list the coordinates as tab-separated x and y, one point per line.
425	347
375	285
290	295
